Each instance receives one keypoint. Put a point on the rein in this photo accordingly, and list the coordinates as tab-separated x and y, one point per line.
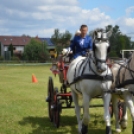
94	76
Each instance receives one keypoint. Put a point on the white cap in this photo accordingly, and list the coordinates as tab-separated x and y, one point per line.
78	32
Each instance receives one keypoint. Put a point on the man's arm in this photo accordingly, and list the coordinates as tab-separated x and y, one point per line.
70	48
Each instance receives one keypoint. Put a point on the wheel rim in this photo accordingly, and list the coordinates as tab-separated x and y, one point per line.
50	92
56	112
111	110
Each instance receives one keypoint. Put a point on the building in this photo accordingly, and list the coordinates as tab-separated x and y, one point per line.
19	43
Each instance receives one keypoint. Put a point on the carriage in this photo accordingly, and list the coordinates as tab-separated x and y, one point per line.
56	98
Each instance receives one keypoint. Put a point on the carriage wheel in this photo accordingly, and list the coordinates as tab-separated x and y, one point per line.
111	110
56	111
50	96
120	110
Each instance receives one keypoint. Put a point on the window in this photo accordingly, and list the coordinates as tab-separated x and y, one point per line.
24	40
11	39
14	48
5	39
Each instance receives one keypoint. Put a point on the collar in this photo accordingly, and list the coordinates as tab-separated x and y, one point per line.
84	37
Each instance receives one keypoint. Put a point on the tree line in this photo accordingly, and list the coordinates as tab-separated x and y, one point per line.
36	50
118	40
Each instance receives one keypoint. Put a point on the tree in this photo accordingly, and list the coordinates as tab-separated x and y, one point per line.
118	41
10	48
56	36
36	50
132	43
24	35
0	48
61	39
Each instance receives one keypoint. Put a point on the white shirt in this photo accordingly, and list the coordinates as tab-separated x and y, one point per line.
82	41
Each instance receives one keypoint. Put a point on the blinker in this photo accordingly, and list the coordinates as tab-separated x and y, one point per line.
99	35
104	36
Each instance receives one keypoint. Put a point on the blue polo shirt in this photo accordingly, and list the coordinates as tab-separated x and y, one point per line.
80	45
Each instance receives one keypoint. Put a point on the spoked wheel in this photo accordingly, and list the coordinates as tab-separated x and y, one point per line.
120	107
111	110
50	98
57	109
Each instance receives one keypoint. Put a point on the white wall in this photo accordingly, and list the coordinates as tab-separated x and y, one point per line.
17	48
5	48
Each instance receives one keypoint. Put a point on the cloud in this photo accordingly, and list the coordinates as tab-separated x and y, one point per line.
65	15
129	10
126	24
42	17
106	8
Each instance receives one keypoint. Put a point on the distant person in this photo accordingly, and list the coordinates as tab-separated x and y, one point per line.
77	33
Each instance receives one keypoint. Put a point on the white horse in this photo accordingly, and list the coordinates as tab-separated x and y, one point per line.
124	85
94	81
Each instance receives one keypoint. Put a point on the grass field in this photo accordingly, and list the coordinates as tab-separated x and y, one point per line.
23	109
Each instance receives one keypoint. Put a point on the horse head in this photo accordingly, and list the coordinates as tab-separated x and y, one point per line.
101	48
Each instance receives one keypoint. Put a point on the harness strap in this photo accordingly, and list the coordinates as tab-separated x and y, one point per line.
94	77
127	82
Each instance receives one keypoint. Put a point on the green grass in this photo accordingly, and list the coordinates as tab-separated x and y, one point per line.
23	109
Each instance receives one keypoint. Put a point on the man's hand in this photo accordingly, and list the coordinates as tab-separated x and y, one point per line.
64	51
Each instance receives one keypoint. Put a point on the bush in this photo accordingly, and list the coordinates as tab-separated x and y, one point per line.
15	58
10	48
1	58
36	51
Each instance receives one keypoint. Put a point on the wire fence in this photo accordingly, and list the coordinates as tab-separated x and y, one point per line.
24	64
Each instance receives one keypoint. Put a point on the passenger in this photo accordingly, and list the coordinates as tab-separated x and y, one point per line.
77	33
80	43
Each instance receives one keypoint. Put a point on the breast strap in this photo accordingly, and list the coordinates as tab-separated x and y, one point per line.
92	77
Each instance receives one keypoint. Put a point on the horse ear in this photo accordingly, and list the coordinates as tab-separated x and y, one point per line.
109	33
94	35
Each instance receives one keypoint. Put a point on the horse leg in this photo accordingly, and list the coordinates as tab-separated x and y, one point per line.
129	103
77	110
86	116
107	99
124	117
116	113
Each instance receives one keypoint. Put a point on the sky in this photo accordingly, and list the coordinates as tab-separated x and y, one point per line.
41	17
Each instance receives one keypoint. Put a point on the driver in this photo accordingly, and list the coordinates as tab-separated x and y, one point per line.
80	43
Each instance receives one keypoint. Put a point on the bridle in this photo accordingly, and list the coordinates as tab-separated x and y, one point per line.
100	35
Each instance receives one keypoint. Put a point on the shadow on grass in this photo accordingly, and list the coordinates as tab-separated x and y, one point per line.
68	124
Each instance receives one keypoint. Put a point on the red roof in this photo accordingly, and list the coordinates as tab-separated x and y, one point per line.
15	40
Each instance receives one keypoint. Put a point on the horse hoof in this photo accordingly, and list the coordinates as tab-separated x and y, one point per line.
117	130
123	124
84	129
108	130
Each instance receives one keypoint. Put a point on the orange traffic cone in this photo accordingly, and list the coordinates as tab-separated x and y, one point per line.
34	79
